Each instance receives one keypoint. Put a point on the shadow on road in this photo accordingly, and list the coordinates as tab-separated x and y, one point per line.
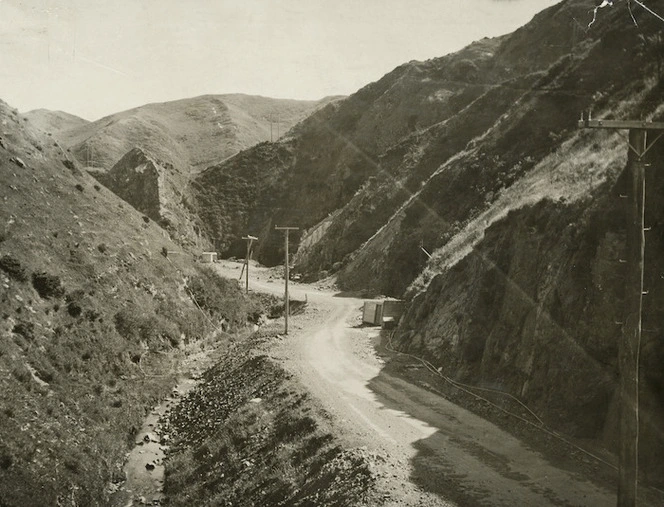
470	461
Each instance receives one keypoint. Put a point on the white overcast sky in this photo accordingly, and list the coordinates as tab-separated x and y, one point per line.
96	57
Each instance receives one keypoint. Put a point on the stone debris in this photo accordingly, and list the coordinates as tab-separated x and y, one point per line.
18	162
150	437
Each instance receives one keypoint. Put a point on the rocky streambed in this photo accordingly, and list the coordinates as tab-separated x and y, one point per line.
142	479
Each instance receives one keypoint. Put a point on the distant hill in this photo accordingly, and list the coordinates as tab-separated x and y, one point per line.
54	121
182	137
189	133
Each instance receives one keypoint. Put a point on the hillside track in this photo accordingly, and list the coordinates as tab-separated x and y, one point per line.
428	451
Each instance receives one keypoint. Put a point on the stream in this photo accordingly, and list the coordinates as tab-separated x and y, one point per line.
144	466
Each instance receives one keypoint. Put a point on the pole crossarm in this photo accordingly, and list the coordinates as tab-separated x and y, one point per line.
621	124
630	125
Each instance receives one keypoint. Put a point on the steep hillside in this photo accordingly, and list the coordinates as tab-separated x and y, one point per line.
524	292
535	310
325	159
155	188
98	308
532	150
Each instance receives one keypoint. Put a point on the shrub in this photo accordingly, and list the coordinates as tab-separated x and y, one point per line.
12	266
21	373
6	459
74	309
219	296
47	286
102	247
155	330
25	329
79	187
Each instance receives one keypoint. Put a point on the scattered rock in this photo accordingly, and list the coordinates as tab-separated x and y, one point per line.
150	437
118	476
17	161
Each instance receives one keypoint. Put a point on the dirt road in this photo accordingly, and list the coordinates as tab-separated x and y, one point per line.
428	450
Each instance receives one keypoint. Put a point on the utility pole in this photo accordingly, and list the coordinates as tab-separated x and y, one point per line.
250	241
286	274
630	345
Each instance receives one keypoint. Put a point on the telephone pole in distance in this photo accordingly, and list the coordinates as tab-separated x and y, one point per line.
286	274
250	241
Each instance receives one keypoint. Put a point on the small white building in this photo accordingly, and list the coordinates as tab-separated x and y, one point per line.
209	257
384	313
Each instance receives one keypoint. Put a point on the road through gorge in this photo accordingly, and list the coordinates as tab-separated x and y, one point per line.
427	450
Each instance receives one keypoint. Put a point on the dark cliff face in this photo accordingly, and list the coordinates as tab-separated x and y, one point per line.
536	310
136	179
157	189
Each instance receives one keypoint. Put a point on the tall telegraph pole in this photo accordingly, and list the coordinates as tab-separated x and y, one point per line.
286	274
629	346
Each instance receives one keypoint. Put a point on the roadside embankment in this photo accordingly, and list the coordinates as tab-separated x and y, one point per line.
250	434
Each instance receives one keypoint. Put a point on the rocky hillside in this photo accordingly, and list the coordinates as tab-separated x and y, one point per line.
535	309
98	307
156	188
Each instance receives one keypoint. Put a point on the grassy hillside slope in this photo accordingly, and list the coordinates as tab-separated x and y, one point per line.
94	320
180	138
325	159
54	121
192	133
